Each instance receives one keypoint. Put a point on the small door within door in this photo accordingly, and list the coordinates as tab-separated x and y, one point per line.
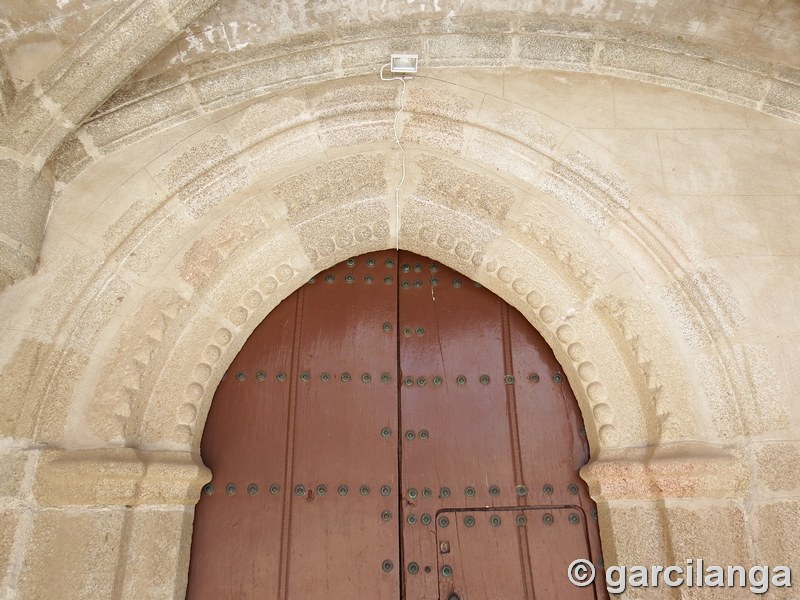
497	554
393	431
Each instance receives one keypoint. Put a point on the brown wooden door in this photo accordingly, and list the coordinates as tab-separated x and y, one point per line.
393	430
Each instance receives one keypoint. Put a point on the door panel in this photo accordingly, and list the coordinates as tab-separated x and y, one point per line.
503	429
449	329
546	406
481	557
337	540
244	442
553	439
311	430
375	409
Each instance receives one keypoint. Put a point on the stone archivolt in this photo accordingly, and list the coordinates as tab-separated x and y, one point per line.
38	118
64	95
242	202
532	42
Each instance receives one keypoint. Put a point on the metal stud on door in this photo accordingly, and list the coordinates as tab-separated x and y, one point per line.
530	552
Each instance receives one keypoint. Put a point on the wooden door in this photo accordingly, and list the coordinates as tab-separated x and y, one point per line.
303	427
393	430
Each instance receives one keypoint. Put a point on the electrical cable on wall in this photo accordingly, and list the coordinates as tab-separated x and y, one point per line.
403	64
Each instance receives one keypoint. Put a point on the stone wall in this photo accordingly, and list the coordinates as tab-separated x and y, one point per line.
646	230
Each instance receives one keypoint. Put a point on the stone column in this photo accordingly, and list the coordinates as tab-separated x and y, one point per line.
110	523
670	504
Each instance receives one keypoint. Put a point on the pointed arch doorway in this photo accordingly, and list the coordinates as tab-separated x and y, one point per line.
393	430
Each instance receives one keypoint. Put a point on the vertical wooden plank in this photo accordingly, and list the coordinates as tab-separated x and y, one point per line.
484	559
553	440
236	540
484	555
449	329
553	447
552	436
557	536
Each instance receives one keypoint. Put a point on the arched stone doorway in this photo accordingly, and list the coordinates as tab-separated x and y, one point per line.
392	429
593	257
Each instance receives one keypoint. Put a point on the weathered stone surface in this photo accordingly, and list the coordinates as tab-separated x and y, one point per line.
633	533
210	252
161	539
71	159
65	93
71	552
118	477
194	161
437	119
673	471
312	193
556	52
778	468
114	413
265	119
12	471
777	528
360	113
354	187
19	407
647	232
8	527
482	198
542	44
25	194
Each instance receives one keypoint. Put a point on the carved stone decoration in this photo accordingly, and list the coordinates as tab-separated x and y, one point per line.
667	401
204	192
571	250
118	393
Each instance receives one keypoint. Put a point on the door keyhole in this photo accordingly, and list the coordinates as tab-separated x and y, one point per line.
453	597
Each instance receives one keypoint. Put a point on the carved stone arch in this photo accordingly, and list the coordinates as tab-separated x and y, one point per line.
497	40
39	117
240	300
140	309
538	183
231	230
600	364
499	222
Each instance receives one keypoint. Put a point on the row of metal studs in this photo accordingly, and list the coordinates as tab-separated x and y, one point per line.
388	280
494	490
299	489
305	377
496	521
386	490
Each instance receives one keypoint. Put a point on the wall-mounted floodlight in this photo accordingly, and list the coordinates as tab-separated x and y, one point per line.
403	63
